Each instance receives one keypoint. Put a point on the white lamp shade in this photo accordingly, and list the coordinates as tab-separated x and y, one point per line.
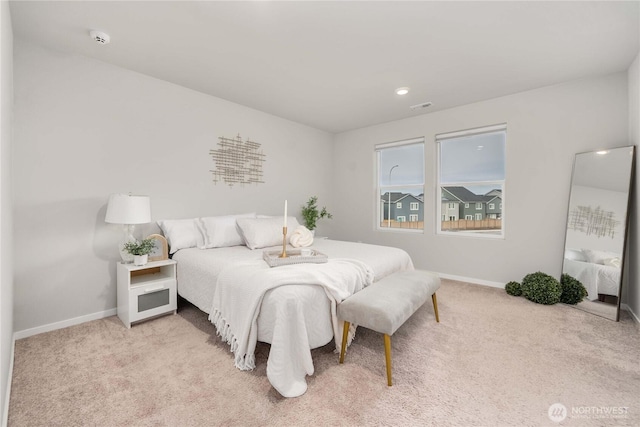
127	209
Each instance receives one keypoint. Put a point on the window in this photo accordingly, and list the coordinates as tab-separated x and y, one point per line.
400	175
471	170
452	205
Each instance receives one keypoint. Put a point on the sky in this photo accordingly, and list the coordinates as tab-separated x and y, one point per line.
471	158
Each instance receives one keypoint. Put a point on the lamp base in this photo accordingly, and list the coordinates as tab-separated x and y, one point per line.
127	236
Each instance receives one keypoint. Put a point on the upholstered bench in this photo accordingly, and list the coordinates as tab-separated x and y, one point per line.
386	304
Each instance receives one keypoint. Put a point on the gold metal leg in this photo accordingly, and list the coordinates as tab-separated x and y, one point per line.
387	355
345	335
435	307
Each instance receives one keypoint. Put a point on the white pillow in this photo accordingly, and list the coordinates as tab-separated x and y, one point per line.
575	254
264	232
181	233
598	257
221	231
613	262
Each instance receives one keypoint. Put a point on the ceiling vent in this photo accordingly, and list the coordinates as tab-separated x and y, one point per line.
100	37
422	105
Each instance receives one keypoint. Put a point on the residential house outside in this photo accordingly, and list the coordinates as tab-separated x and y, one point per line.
469	210
405	210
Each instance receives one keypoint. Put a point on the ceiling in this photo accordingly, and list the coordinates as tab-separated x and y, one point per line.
335	65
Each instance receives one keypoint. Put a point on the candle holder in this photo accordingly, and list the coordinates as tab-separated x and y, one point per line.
284	243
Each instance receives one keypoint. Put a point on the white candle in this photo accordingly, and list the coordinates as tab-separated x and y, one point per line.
285	214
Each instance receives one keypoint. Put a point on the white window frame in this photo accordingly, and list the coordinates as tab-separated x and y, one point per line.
390	188
399	205
478	217
502	183
413	218
492	206
414	206
468	217
401	218
478	206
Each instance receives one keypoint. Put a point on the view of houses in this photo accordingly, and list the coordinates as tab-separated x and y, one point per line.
461	210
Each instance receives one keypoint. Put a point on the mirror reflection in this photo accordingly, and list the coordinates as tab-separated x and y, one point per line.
597	227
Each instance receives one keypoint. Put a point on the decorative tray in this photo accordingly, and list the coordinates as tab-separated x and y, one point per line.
294	256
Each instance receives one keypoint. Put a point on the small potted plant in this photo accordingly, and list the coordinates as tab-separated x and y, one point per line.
140	250
311	214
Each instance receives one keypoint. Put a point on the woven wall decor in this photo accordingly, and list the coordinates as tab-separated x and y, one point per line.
237	161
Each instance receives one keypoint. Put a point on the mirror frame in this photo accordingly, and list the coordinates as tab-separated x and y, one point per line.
626	223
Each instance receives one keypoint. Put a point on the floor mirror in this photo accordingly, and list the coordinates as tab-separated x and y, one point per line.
597	227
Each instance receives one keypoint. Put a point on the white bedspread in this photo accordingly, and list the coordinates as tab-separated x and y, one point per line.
238	298
596	278
198	272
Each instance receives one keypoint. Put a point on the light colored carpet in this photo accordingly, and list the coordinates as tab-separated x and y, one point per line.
494	360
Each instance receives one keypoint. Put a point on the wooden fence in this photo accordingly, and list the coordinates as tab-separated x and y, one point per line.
472	224
416	225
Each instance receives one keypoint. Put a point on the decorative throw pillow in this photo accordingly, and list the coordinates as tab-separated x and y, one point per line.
598	257
264	232
221	231
181	233
613	262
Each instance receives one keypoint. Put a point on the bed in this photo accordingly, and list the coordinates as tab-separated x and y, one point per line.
293	318
598	279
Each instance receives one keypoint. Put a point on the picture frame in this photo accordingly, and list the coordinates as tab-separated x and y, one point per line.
161	248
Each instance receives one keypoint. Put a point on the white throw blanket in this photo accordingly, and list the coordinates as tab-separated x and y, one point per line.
301	237
236	305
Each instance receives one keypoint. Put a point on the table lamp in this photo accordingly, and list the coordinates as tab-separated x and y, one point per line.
128	210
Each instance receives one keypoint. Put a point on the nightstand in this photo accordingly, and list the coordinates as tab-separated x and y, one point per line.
146	291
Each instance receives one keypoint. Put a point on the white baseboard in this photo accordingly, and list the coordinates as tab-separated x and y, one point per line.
64	324
634	316
7	395
472	280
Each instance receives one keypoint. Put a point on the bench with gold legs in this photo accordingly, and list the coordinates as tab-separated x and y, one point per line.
386	304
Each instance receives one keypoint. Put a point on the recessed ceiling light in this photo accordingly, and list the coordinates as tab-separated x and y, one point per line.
602	152
402	91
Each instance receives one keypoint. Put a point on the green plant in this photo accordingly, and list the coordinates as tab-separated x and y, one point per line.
541	288
572	290
143	247
513	288
311	214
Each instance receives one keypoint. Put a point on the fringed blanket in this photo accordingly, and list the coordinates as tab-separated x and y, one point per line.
241	288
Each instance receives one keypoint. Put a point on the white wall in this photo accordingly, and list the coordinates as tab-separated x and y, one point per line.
6	240
545	129
85	129
633	265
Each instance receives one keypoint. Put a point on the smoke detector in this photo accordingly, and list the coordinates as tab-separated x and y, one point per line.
100	37
422	105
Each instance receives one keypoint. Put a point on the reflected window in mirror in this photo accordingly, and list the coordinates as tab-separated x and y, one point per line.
597	227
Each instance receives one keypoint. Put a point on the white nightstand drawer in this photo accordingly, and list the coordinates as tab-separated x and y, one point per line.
146	291
152	299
